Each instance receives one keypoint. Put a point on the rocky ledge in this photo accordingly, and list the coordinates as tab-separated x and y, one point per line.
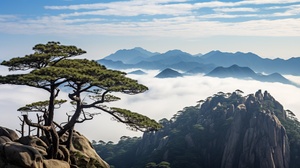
30	151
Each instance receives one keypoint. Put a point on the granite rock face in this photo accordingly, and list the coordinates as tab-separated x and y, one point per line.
256	137
83	154
234	131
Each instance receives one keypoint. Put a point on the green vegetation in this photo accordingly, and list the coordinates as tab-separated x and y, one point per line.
121	154
50	69
194	137
162	164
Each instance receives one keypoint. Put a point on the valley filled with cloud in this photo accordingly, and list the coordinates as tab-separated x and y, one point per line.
164	98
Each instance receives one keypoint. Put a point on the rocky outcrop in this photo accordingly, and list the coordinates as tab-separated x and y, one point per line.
12	135
225	130
256	138
83	154
21	155
31	151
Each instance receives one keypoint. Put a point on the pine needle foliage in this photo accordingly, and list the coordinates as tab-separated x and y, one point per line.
50	68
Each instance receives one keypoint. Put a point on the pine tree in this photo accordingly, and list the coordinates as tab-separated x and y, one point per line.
51	69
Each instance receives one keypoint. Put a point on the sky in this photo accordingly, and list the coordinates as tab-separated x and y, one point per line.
269	28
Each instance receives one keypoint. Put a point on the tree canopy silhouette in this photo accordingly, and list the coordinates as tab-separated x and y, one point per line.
49	68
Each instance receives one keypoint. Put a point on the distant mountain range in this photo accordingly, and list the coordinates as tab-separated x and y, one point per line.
131	56
236	71
233	71
253	61
179	60
215	64
143	59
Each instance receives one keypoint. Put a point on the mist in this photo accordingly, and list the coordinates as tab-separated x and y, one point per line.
163	99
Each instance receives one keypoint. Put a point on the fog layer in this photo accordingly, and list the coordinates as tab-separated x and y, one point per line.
163	99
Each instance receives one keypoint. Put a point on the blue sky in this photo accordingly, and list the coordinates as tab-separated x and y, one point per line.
269	28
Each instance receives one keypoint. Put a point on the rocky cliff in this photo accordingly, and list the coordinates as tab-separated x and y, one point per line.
226	130
256	137
31	152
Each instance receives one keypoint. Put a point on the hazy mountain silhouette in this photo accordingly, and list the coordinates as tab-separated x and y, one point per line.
138	72
140	58
290	66
173	57
236	71
168	73
193	67
179	60
232	71
115	64
131	56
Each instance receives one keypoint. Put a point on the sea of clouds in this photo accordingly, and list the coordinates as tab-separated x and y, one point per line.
163	99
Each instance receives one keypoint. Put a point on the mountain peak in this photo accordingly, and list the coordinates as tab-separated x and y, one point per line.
144	51
232	71
130	56
175	52
138	48
168	73
225	130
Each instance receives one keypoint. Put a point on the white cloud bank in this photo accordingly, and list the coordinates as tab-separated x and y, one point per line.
167	96
164	98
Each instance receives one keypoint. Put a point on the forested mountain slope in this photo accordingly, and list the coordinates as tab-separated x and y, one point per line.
225	130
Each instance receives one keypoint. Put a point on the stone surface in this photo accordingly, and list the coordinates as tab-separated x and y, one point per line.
51	163
262	143
12	135
4	139
83	153
31	151
243	131
20	155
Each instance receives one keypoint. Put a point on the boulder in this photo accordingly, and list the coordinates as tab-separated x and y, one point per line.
83	153
20	155
31	151
51	163
63	153
35	142
12	135
4	139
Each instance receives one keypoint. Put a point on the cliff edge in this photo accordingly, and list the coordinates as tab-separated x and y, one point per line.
226	130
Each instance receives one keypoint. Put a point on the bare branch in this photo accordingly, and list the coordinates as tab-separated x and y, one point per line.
28	122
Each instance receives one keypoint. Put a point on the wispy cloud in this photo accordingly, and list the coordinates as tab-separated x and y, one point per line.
188	26
116	4
136	10
236	10
268	1
181	18
292	10
7	17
